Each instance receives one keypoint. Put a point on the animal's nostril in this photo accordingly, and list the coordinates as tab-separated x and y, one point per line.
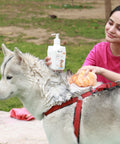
9	77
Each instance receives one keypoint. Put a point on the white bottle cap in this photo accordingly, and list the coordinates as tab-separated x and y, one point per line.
56	40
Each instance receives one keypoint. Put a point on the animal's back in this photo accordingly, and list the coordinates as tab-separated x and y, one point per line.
100	123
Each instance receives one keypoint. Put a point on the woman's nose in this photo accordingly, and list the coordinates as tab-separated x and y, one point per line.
112	29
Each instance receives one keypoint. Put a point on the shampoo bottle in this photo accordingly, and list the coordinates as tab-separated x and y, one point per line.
57	54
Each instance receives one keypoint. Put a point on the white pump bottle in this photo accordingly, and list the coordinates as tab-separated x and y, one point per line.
57	54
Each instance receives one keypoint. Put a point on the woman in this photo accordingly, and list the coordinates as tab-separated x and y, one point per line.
104	58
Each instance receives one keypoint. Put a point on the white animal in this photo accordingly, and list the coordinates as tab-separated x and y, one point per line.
39	88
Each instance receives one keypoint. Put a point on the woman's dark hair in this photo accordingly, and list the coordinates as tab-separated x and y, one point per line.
115	9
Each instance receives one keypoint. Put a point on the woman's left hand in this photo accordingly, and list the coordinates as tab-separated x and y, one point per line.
94	69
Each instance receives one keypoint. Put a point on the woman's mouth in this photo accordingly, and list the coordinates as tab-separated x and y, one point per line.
110	35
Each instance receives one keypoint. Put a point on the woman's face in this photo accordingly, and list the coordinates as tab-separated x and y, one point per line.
112	28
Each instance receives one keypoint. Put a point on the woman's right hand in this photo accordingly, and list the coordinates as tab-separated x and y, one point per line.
47	61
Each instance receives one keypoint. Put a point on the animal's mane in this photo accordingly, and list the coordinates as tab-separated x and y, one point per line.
49	82
36	65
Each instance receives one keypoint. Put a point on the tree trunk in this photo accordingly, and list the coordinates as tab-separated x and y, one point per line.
107	8
72	3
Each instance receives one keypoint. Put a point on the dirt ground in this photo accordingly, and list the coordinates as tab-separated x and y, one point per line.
13	131
40	35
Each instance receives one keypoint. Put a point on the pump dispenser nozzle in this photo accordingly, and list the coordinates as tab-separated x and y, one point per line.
56	40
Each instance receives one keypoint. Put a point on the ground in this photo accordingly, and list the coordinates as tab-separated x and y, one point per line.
40	35
13	131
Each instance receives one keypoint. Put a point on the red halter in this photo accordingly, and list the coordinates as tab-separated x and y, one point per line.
77	114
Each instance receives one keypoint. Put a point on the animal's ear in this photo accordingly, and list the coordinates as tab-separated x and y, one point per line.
19	55
6	51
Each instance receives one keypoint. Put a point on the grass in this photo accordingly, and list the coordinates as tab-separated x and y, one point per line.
26	14
85	28
76	56
69	6
7	105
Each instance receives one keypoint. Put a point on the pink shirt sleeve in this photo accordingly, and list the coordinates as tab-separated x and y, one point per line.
101	56
90	59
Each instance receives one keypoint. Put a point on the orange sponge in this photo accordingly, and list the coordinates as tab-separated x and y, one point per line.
83	81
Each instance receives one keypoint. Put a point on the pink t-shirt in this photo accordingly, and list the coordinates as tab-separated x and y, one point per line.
101	56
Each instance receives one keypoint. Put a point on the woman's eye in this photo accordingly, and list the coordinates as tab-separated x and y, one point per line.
9	77
110	23
118	28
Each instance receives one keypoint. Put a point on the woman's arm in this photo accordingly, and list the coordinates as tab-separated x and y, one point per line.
110	75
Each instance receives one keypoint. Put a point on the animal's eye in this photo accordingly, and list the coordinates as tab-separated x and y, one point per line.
9	77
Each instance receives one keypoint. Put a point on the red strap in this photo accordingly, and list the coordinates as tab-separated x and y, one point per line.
77	118
86	94
99	88
72	100
106	86
79	105
54	108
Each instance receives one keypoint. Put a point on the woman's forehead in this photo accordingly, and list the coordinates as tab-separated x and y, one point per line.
115	17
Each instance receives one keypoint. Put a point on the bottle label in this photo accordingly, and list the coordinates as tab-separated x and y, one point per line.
60	59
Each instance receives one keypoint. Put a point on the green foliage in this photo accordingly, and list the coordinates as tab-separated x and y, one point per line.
7	105
69	6
91	28
79	27
76	56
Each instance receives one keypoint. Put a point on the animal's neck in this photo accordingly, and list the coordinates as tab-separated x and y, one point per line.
48	89
57	90
53	85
